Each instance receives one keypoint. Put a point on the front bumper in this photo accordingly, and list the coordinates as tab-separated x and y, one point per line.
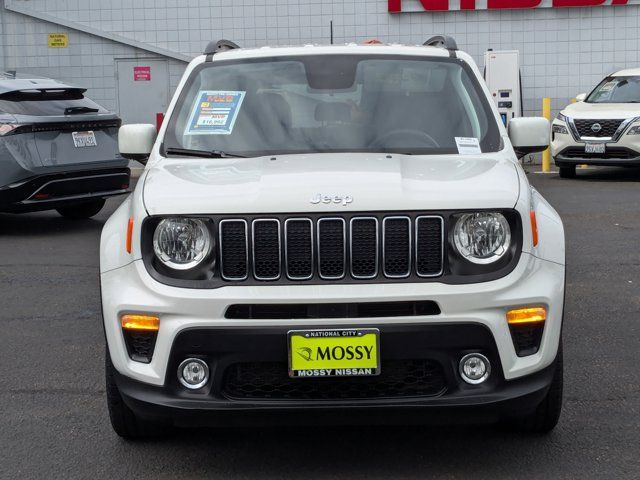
455	402
620	157
534	282
567	151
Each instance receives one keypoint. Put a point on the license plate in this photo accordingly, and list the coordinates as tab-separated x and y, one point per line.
334	353
84	139
595	148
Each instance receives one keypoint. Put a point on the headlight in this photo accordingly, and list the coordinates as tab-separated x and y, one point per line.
562	118
561	129
181	243
482	237
635	130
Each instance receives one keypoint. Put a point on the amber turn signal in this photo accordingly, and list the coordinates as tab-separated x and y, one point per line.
146	323
129	235
534	228
523	316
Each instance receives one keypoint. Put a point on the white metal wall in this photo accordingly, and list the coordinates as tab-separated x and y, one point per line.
564	51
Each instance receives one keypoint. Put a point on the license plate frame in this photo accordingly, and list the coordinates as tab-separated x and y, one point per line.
85	139
334	338
595	148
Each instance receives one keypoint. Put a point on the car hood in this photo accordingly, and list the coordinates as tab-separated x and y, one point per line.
602	111
344	182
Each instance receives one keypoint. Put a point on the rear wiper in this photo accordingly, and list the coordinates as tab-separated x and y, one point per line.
76	110
201	153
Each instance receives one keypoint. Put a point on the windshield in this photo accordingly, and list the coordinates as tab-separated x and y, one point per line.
616	90
333	103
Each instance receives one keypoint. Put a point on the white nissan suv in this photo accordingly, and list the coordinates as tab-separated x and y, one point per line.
602	128
328	230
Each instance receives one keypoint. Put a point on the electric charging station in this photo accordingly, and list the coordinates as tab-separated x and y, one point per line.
502	74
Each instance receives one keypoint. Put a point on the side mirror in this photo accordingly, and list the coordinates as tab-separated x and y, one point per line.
529	135
581	98
135	142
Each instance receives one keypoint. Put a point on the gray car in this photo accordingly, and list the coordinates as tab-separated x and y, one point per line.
58	149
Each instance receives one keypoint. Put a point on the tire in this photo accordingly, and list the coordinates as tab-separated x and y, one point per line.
568	172
124	422
546	416
83	210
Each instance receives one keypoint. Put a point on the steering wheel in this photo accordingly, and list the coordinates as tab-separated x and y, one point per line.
405	133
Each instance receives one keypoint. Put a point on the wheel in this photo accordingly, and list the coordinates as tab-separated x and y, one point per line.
546	416
568	172
82	210
124	422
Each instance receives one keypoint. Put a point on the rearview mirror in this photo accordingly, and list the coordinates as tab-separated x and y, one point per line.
136	141
581	98
529	135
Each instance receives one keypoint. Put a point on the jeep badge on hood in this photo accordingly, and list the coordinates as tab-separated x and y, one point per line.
344	200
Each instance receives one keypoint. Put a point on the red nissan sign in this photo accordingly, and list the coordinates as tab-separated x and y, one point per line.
399	6
141	74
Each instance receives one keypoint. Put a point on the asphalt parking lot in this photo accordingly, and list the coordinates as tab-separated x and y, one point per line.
54	422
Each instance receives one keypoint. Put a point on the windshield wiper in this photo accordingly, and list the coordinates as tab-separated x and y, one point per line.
76	110
201	153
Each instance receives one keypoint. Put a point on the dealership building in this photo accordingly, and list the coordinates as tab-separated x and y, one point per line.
130	54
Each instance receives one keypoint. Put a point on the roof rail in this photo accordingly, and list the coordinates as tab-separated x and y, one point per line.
443	41
217	47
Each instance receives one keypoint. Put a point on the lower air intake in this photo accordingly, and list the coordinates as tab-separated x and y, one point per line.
270	381
140	345
527	338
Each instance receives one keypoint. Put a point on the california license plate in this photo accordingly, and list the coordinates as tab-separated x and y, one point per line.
595	148
84	139
334	353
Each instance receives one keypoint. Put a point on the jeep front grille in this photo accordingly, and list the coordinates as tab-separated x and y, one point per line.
331	248
266	249
234	256
428	244
364	247
298	251
396	233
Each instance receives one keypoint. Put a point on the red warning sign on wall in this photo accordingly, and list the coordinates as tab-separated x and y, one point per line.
141	74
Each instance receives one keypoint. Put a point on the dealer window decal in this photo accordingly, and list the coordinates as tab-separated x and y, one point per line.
468	146
215	112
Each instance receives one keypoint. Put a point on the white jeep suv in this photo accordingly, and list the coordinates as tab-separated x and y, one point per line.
602	128
333	229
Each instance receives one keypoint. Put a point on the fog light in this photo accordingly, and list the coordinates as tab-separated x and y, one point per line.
474	368
193	373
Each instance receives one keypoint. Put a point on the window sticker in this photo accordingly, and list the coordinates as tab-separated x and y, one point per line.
607	87
215	112
468	146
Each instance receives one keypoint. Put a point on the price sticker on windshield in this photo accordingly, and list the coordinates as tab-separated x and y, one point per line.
215	112
468	146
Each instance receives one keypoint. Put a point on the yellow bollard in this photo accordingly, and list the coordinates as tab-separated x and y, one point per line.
546	155
573	100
